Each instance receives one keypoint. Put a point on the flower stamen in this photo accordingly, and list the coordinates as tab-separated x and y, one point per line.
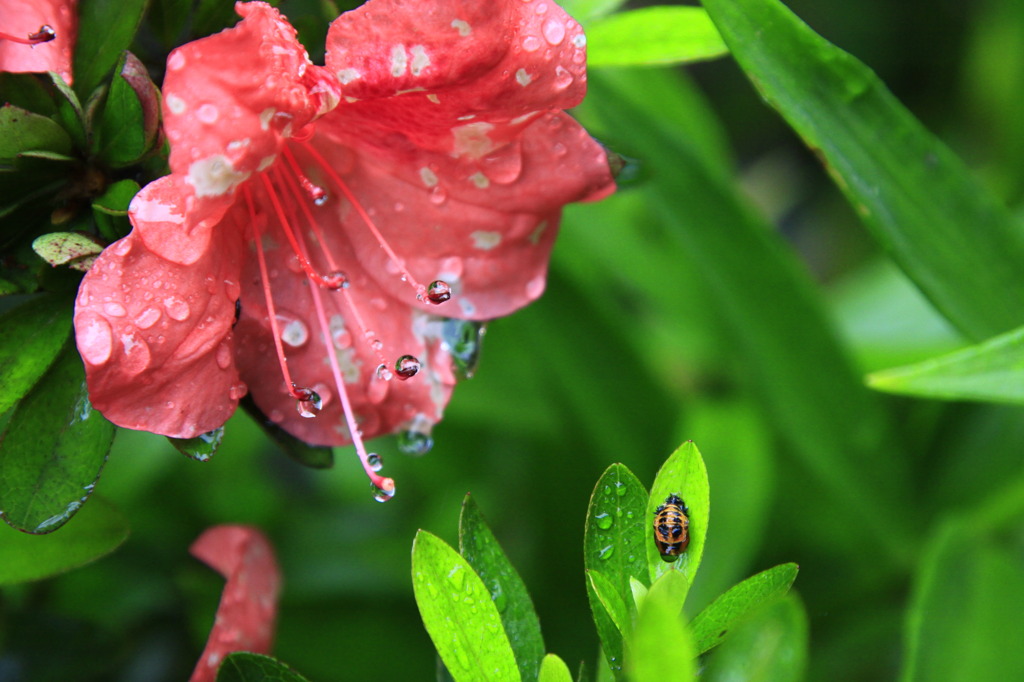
44	35
421	289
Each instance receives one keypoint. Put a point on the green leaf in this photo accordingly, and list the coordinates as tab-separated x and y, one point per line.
916	196
610	634
22	131
242	666
612	601
52	450
661	647
99	529
122	135
614	538
770	647
712	625
653	35
116	199
554	669
990	371
964	621
683	474
459	615
69	110
585	11
202	447
27	91
313	456
479	547
670	589
105	30
772	314
74	249
31	337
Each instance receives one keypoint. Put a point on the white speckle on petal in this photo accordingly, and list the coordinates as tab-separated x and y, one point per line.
467	307
176	61
208	114
480	180
472	140
238	144
214	176
462	27
267	162
485	241
579	40
153	211
129	341
346	76
428	176
420	59
265	117
537	232
176	105
433	98
523	78
524	118
399	61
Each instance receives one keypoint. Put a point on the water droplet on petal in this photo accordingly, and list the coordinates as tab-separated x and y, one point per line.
294	331
336	280
406	367
531	43
223	356
385	491
438	292
563	78
238	391
95	338
308	402
438	196
114	309
177	308
383	373
554	31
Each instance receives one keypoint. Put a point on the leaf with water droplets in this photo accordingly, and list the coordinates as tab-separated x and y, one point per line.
683	474
313	456
52	450
243	666
99	529
712	624
660	643
31	337
654	35
459	614
554	669
479	547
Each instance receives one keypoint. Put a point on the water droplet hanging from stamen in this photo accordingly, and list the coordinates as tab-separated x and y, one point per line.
438	292
385	491
406	367
44	35
335	280
308	401
374	461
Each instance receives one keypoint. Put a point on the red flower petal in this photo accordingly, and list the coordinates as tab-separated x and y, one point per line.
22	18
248	607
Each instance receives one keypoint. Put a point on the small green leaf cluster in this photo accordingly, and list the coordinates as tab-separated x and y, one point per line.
482	621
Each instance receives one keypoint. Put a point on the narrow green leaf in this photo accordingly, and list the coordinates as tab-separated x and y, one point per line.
916	196
459	615
670	589
31	337
585	11
612	643
22	131
661	647
770	647
611	600
554	669
52	450
682	474
614	538
99	529
243	666
964	621
479	547
122	136
653	35
202	447
69	110
780	335
990	371
105	30
712	625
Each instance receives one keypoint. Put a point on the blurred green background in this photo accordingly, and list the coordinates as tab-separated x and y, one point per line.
638	344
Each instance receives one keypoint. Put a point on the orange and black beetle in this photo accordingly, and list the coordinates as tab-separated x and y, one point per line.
672	528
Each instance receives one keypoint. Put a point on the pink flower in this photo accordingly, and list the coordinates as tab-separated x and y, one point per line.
323	200
248	606
37	36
